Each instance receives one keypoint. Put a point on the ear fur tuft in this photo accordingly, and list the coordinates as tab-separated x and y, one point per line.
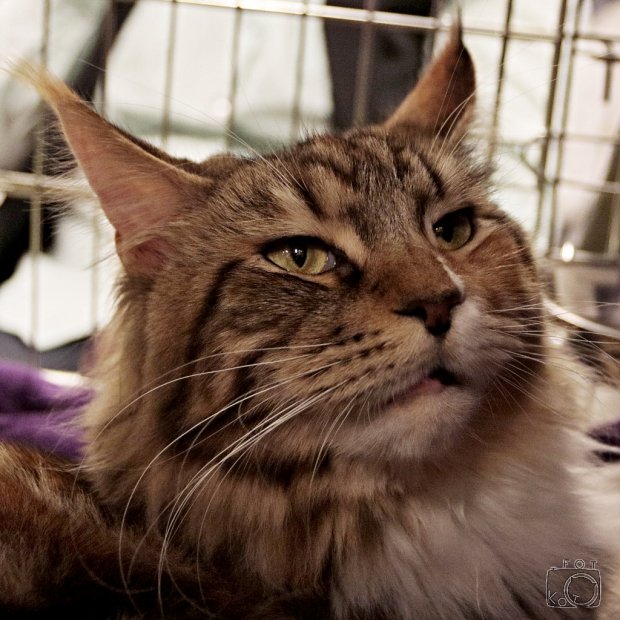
444	96
139	191
51	89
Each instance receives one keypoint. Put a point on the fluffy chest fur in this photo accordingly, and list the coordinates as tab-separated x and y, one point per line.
470	537
480	546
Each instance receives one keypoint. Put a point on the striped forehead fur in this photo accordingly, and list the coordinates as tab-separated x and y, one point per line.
336	176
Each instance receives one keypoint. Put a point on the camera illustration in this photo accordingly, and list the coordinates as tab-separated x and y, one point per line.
574	586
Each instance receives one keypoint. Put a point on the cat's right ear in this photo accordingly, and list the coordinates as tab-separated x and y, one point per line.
442	101
139	192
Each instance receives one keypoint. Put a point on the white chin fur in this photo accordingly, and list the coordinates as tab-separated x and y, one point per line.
426	425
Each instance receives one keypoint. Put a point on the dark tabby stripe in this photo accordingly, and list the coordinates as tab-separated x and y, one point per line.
169	420
312	605
279	471
351	275
401	166
263	201
305	608
370	526
244	383
328	165
209	305
367	158
516	233
191	442
438	184
523	605
309	199
363	226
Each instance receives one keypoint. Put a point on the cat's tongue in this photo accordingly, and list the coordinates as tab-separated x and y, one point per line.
433	383
428	385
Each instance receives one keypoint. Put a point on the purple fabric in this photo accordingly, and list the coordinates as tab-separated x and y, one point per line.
37	412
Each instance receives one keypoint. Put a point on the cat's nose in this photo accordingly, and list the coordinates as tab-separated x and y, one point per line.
435	313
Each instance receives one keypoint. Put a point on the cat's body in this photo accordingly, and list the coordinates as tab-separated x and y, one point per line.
328	390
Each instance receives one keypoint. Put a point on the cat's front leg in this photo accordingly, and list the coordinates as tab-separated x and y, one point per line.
61	556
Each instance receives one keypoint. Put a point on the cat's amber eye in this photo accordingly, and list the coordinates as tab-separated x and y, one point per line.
303	255
454	230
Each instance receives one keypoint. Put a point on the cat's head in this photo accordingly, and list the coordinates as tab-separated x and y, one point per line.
359	291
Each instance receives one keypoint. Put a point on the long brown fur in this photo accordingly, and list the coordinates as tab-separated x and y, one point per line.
252	450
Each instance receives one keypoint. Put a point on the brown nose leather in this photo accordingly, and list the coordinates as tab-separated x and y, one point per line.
434	313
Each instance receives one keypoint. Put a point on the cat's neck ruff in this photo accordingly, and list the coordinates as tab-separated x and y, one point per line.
474	531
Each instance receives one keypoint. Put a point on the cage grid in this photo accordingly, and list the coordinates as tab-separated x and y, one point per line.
541	154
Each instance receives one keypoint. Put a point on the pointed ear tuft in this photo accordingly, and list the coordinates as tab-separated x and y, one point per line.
139	191
443	99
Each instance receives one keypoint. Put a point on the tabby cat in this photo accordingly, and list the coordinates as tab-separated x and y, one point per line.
328	391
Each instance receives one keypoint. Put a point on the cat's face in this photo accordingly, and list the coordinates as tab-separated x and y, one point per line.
360	291
361	287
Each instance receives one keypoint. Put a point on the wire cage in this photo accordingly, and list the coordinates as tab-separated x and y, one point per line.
256	74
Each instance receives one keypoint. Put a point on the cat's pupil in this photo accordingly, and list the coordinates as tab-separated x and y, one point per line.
445	231
299	255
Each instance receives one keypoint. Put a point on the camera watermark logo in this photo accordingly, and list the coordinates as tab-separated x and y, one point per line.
574	586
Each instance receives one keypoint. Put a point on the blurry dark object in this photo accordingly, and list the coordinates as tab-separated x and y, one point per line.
14	234
396	59
14	212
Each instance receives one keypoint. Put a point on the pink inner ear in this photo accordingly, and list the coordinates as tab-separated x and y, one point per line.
138	192
144	257
135	206
138	200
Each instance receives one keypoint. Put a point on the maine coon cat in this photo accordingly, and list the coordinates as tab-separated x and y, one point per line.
328	391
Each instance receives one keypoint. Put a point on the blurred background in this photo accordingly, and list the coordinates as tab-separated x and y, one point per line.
202	76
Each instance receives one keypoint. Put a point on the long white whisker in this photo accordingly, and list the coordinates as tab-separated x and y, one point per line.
209	468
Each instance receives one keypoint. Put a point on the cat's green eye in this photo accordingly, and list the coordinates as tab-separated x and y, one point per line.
454	230
301	255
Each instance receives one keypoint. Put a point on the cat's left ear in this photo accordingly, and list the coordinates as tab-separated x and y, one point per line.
139	191
442	101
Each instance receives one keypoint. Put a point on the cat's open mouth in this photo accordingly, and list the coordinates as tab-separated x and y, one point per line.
432	383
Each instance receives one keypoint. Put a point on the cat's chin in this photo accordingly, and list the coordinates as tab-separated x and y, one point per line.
423	420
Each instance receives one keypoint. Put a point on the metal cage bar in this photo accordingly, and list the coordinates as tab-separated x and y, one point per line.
36	202
234	76
299	75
